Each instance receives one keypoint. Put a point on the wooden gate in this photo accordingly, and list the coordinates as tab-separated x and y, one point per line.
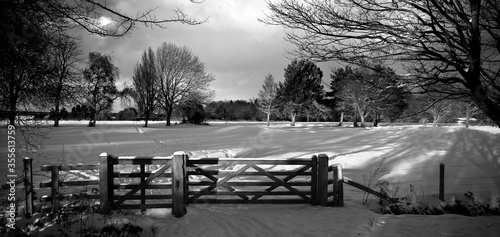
257	180
205	180
142	171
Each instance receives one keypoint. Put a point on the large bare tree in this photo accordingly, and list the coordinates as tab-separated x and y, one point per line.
145	81
99	84
61	86
450	47
181	77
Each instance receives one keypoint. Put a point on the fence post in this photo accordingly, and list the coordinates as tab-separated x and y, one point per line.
55	188
441	182
143	189
338	187
106	190
186	181
314	181
28	186
322	179
179	177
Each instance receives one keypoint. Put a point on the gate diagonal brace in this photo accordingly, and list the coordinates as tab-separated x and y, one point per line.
226	186
144	183
286	179
281	182
220	183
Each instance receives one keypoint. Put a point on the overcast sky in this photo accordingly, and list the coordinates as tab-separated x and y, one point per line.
235	47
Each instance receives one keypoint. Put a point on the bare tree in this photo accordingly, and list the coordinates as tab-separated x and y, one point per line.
99	82
181	75
468	110
451	47
145	81
61	86
267	97
439	110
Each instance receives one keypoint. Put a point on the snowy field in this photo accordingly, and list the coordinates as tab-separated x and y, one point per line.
411	155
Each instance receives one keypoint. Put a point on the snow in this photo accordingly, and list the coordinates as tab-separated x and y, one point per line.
411	154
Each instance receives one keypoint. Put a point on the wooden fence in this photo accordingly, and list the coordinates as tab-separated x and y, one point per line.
183	181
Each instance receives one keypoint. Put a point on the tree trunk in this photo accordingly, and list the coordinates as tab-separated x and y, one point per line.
434	121
362	116
268	116
93	119
146	119
377	120
56	116
12	118
341	118
467	122
292	123
491	109
169	115
479	93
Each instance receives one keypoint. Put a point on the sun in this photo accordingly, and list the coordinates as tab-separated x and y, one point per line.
103	21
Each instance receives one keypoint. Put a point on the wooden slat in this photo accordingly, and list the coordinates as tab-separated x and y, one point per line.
272	161
148	205
249	183
282	183
261	193
149	186
46	198
138	175
48	184
138	197
140	160
70	167
314	181
366	189
259	201
286	179
145	183
275	173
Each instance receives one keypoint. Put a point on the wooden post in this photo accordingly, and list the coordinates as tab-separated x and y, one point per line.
322	179
55	188
335	185
143	189
441	182
314	181
186	182
28	186
179	177
106	191
340	186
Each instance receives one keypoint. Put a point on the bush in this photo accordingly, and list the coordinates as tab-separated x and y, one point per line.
468	207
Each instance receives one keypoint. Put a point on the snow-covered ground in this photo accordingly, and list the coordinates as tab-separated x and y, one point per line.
410	155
